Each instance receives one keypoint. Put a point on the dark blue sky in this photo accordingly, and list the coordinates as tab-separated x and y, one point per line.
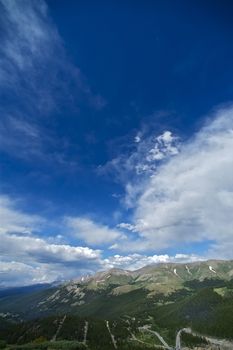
90	93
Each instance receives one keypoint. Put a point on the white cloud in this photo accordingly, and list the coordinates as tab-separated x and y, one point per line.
26	258
91	232
126	226
37	259
140	160
14	273
165	145
137	139
137	261
38	249
15	221
190	197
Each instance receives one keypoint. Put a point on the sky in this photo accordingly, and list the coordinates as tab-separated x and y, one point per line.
116	135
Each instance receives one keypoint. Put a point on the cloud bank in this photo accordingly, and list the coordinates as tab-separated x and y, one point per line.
22	249
189	198
92	233
27	258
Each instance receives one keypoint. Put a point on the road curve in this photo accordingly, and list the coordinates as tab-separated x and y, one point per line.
178	337
165	344
219	342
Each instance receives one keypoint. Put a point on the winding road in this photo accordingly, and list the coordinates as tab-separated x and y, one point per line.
165	344
222	343
178	337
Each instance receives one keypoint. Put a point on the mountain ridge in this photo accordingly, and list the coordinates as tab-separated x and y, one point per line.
90	294
153	266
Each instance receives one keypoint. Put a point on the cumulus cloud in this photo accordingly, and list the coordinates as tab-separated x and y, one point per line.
165	145
140	160
22	250
190	197
15	273
91	232
15	221
41	251
137	261
27	258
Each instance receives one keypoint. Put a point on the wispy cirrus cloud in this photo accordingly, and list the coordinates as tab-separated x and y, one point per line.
28	140
33	61
25	136
37	79
30	46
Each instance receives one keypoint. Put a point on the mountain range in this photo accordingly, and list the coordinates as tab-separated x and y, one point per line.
165	297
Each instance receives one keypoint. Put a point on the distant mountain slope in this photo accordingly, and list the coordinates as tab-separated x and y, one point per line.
6	292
